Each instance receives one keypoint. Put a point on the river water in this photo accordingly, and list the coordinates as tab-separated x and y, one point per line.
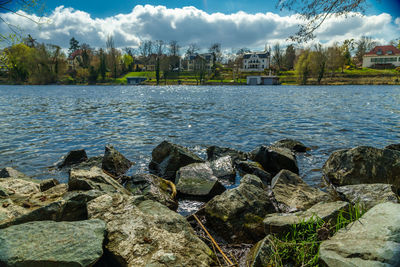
39	124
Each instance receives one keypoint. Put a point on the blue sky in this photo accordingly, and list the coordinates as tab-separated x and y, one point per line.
102	8
233	23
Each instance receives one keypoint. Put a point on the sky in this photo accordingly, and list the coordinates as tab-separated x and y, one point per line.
233	23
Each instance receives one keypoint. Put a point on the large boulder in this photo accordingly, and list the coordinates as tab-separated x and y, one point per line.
73	157
237	214
280	223
147	233
293	145
274	159
154	188
47	184
223	167
367	195
393	147
94	179
363	165
255	168
49	243
261	254
373	240
12	173
215	152
197	180
114	162
168	158
293	194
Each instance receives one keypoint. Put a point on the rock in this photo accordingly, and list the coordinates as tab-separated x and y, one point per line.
49	243
292	193
19	186
255	168
215	152
73	157
363	165
94	179
237	214
154	188
260	254
197	180
96	161
114	162
275	159
373	240
293	145
47	184
280	223
9	172
393	147
148	233
168	158
223	168
367	195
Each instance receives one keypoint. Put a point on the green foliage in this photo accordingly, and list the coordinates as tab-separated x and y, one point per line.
300	246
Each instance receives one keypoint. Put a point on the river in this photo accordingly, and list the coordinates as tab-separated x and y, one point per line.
39	124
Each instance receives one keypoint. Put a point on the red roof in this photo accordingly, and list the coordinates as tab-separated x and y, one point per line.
384	49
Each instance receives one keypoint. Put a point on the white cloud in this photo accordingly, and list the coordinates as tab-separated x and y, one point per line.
191	25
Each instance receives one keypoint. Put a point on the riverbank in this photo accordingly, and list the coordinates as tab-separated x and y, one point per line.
271	218
364	76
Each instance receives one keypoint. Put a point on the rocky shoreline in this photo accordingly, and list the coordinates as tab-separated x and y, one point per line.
102	217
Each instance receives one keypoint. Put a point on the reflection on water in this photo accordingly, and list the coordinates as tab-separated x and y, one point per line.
39	124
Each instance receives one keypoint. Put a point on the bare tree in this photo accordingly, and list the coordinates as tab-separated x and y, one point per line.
315	12
146	49
363	46
277	57
159	47
112	55
215	50
192	50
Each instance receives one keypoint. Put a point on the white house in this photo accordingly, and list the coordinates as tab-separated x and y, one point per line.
257	61
382	56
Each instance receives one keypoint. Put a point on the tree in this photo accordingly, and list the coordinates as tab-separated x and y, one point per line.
192	50
315	12
318	62
103	64
289	57
86	55
17	60
363	46
145	51
173	52
159	46
215	50
113	56
335	58
277	57
303	67
73	46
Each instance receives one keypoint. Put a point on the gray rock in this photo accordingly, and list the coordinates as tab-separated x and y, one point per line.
168	158
49	243
215	152
363	165
293	145
94	179
367	195
237	214
223	167
292	193
12	173
260	254
393	147
154	188
73	157
114	162
280	223
373	240
255	168
96	161
197	180
275	159
148	233
47	184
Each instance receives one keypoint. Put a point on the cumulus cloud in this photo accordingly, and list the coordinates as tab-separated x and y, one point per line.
397	21
191	25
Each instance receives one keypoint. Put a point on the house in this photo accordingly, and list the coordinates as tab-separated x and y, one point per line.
263	80
197	61
135	80
256	61
74	59
385	56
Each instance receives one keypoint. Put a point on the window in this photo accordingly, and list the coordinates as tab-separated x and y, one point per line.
379	52
390	52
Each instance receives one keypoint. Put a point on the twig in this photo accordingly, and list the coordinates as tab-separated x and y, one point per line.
227	260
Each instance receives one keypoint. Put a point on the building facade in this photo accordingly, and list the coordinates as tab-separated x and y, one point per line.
197	61
382	57
257	61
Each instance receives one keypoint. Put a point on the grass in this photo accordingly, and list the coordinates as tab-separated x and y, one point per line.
300	246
